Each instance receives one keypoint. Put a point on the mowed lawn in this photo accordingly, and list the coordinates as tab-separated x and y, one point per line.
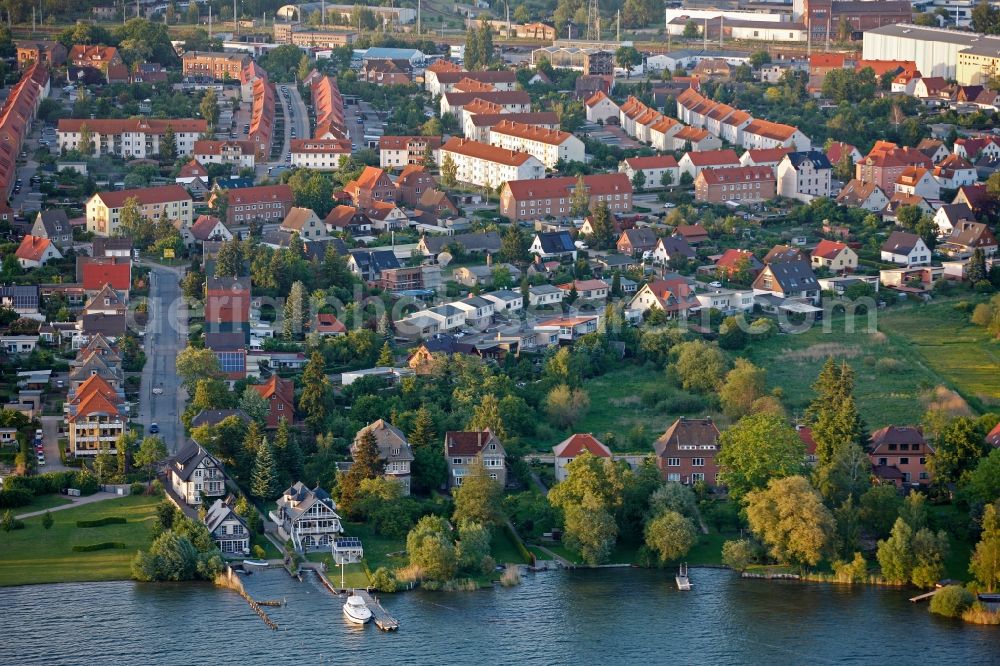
964	355
37	555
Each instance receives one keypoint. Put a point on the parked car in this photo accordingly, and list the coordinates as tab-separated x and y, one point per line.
154	428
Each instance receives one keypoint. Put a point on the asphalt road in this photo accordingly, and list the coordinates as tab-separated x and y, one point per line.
166	334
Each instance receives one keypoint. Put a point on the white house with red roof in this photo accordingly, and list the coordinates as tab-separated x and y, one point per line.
652	169
953	172
328	325
600	107
675	297
35	251
576	445
918	181
104	208
694	162
834	256
836	151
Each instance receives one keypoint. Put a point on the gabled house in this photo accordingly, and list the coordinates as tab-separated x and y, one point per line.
674	297
95	417
209	228
373	184
672	249
462	449
280	396
788	279
369	264
307	517
587	290
53	225
393	449
637	241
949	216
411	184
686	452
305	223
694	162
228	529
574	446
478	311
227	303
553	245
905	249
858	194
34	252
918	181
600	108
905	449
804	175
194	472
692	233
348	219
835	256
953	172
327	325
732	261
968	237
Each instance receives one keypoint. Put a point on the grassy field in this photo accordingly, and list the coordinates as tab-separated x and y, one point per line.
504	550
377	547
963	355
41	503
617	404
36	555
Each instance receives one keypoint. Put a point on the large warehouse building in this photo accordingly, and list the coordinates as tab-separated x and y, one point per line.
967	57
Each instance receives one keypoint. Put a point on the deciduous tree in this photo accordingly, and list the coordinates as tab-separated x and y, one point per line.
478	498
789	516
758	449
670	535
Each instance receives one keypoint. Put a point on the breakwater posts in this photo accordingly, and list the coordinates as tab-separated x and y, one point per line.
771	576
380	616
232	581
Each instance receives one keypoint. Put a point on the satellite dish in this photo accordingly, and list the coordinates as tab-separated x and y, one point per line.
445	258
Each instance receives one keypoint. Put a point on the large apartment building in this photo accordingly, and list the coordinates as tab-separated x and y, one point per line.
481	164
130	138
319	154
400	151
95	417
238	153
104	208
549	146
217	66
542	197
269	203
740	184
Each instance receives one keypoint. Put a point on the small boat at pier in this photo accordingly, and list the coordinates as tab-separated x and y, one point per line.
356	610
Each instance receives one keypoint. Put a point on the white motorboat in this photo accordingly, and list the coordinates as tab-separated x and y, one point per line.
356	610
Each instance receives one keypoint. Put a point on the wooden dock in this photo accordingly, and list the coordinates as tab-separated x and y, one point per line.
925	595
380	616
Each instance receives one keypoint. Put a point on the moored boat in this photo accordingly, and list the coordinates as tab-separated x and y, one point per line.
356	610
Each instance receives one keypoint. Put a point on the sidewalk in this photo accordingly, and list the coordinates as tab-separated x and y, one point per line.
99	496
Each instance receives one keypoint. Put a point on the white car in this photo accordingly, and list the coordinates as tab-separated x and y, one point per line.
716	285
157	391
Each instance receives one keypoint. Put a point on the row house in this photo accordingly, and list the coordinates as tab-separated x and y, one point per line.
695	110
804	175
693	163
549	146
240	154
130	137
194	473
16	118
600	108
95	416
328	107
656	170
512	101
104	208
737	184
481	118
442	77
400	151
541	197
268	203
262	106
481	164
765	134
39	52
319	154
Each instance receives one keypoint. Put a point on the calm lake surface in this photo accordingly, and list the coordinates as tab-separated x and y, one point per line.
616	616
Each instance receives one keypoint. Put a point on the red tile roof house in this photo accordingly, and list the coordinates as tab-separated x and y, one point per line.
227	302
96	272
905	449
675	297
280	396
373	184
328	325
461	449
731	262
411	185
835	256
34	252
686	452
993	439
588	290
270	203
576	445
692	233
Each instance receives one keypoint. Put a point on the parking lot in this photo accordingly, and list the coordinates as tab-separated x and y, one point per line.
609	134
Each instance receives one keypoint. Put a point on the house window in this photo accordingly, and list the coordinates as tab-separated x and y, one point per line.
673	462
674	477
698	462
698	476
904	461
456	461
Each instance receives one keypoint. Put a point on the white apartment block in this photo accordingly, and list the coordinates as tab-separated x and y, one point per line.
130	138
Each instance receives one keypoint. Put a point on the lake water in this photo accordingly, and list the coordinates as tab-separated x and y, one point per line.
612	616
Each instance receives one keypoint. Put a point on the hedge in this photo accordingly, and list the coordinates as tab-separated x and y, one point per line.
528	556
100	522
11	499
104	545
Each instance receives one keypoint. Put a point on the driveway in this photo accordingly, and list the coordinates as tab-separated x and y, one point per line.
50	437
76	501
166	335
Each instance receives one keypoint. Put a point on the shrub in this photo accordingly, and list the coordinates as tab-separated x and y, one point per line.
384	580
889	365
104	545
951	601
137	488
101	522
855	571
11	499
680	404
980	614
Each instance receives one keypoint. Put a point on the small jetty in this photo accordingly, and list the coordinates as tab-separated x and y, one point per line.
380	616
682	580
231	580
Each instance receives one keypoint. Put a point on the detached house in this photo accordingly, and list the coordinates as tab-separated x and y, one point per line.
574	446
194	472
280	396
305	223
393	450
95	416
553	245
905	249
904	449
462	449
307	517
672	249
53	225
969	237
804	176
600	107
858	194
637	241
228	529
674	296
834	256
686	452
372	185
788	279
34	252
